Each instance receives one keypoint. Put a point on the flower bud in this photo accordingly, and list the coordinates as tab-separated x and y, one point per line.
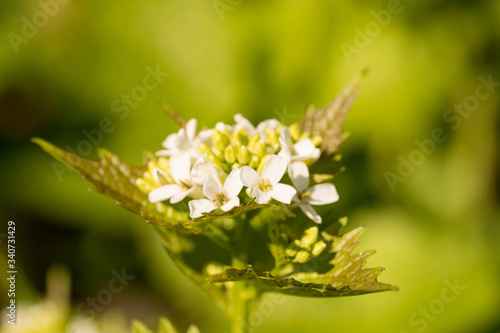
318	248
294	131
260	148
263	163
309	238
219	140
302	257
272	138
254	162
205	149
317	140
230	154
143	185
218	162
243	155
239	137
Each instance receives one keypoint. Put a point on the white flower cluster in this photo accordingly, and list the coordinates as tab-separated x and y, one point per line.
212	167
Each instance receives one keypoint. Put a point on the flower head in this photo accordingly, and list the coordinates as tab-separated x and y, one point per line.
319	194
223	197
266	186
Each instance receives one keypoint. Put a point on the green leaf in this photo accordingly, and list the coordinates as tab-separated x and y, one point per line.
327	122
346	277
116	179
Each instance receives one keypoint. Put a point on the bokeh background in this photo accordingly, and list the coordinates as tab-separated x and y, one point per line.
438	222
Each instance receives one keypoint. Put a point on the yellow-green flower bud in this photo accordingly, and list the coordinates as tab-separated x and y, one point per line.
321	177
152	165
218	162
205	149
263	163
291	252
295	131
143	185
147	176
230	154
239	137
318	248
317	140
309	238
243	155
260	148
163	164
254	162
235	165
302	257
272	138
254	139
219	140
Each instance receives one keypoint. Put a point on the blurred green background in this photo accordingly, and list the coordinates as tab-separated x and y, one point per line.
438	222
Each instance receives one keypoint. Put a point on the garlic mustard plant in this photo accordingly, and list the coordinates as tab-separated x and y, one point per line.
246	209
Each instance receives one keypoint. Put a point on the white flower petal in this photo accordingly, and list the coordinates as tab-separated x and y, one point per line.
274	170
286	137
260	197
322	194
200	206
269	123
201	169
191	128
299	174
212	185
164	192
178	197
285	151
283	193
249	177
233	184
231	204
243	123
205	136
180	166
310	213
304	148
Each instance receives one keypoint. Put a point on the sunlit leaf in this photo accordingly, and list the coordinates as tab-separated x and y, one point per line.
327	122
116	179
347	277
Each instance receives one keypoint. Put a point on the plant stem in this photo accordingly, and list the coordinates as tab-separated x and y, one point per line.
241	308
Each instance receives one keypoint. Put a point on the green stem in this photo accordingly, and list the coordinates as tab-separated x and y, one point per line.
241	308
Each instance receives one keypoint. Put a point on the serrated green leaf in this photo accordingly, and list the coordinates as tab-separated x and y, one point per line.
116	179
347	277
327	122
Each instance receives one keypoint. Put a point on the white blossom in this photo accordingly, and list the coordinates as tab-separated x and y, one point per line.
266	186
202	168
223	197
319	194
184	141
180	166
302	150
